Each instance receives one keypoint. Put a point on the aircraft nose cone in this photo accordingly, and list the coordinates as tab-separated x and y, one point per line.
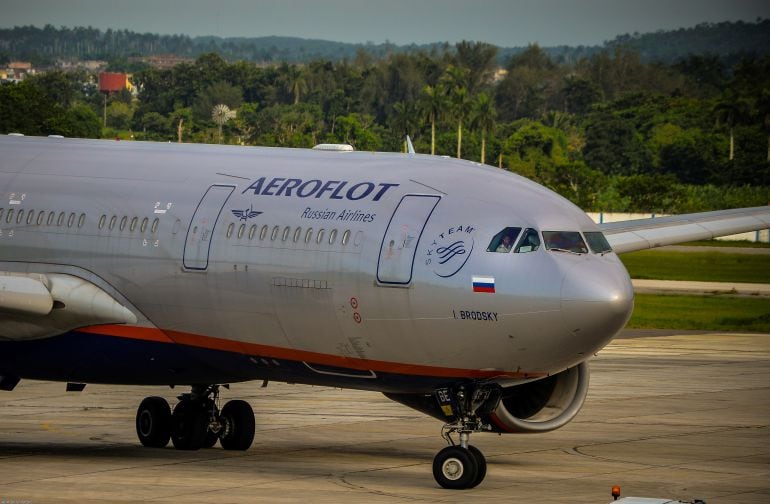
597	299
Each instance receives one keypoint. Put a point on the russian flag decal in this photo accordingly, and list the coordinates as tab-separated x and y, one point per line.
484	284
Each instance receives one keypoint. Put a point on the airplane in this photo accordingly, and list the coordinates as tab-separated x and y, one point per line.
461	290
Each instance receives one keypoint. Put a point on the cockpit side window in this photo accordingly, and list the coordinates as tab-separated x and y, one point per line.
530	241
504	240
597	242
565	241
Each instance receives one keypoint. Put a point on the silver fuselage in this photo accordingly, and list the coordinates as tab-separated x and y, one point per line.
378	302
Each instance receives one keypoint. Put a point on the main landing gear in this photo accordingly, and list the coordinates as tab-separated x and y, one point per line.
461	466
196	421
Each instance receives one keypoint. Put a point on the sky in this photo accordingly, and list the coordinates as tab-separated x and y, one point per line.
507	23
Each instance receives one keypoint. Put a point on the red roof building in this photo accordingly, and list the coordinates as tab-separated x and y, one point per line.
113	82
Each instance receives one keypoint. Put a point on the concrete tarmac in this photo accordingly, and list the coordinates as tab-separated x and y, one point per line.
675	416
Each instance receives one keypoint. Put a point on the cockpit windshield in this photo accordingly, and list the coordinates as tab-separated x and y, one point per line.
564	241
530	241
504	240
597	242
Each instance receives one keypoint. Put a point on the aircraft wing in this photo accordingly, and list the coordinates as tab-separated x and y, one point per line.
640	234
35	306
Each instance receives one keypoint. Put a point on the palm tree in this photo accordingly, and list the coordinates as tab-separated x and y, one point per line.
763	104
461	104
484	115
404	118
456	82
432	103
295	82
730	110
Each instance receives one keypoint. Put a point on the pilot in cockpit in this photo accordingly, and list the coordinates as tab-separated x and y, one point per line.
505	244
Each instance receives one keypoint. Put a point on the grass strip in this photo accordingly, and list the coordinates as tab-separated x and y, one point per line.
727	244
698	266
711	313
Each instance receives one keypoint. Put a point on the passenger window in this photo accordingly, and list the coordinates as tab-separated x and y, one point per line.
241	229
308	235
51	216
297	234
530	241
252	231
1	213
286	232
564	241
81	220
60	220
123	223
30	217
597	242
274	233
263	232
230	230
132	227
320	236
332	236
20	217
112	222
504	240
154	227
143	227
102	220
9	217
345	237
71	220
40	217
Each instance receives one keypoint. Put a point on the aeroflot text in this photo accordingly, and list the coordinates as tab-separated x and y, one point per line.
331	189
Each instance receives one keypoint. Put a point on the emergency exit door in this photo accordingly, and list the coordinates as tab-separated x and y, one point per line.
197	245
399	245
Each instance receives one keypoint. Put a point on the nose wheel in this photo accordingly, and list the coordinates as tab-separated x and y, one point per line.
459	468
196	422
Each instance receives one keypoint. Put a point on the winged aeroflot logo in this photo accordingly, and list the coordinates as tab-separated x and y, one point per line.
244	215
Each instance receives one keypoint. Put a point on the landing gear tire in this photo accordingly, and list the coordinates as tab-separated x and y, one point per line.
153	422
456	468
481	464
189	425
237	419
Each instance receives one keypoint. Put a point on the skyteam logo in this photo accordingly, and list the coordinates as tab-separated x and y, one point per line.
247	214
450	250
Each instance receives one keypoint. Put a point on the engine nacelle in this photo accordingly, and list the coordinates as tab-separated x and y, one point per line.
543	405
537	406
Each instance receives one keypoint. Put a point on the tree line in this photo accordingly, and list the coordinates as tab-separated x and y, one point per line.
44	46
611	132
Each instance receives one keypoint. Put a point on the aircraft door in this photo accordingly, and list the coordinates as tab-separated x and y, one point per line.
198	242
399	245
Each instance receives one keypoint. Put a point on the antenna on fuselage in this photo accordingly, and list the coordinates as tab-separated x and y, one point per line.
409	146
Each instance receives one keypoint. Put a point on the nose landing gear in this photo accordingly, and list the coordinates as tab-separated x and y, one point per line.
196	421
462	466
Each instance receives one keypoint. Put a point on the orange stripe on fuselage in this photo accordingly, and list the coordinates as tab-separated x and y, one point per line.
208	342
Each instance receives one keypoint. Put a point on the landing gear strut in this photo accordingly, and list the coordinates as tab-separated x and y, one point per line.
461	466
196	421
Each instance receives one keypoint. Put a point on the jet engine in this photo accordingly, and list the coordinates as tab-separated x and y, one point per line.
542	405
538	406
